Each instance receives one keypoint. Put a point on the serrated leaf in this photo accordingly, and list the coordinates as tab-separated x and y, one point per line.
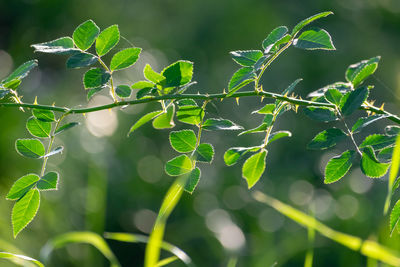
152	75
38	128
146	92
352	100
338	166
233	154
204	153
220	124
246	58
326	139
44	115
123	91
141	85
272	38
370	166
107	39
357	73
267	109
66	127
378	141
253	168
392	130
95	77
48	182
340	86
186	102
165	120
183	141
308	20
55	151
179	165
333	96
21	186
25	210
260	62
278	135
394	217
31	148
385	154
63	45
363	122
314	39
241	78
85	34
259	129
146	118
125	58
320	114
20	72
81	60
190	114
178	73
192	180
91	92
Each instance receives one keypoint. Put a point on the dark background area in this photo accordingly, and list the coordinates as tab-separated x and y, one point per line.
113	183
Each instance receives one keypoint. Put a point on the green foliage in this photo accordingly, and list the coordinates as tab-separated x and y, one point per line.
65	127
358	72
274	37
241	78
25	210
95	77
31	148
123	91
204	153
183	141
19	73
326	139
253	168
85	34
352	100
44	115
314	39
338	166
106	40
220	124
192	180
38	127
48	182
19	259
63	45
21	186
179	165
370	166
146	118
166	119
81	60
125	58
246	58
395	217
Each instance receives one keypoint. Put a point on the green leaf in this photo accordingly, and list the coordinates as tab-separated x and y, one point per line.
352	100
3	93
392	130
21	186
81	60
272	38
320	114
233	154
107	39
333	96
44	115
38	128
178	73
259	129
326	139
192	180
123	91
31	148
179	165
220	124
260	62
183	141
166	119
152	75
378	141
307	21
338	166
142	85
25	210
91	92
21	72
190	114
253	168
20	259
246	58
357	73
267	109
85	34
363	122
186	102
125	58
278	135
204	153
291	87
314	39
241	78
48	182
370	166
394	217
385	154
340	86
66	127
394	170
146	118
13	84
62	46
95	77
146	92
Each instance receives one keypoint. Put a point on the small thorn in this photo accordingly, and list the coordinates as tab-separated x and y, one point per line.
262	98
296	108
109	110
54	104
381	108
35	102
286	94
84	115
223	91
237	100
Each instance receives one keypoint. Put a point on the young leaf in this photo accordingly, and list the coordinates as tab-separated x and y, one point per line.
385	154
278	135
326	139
392	130
38	128
352	100
357	73
63	45
25	210
146	118
85	34
272	38
291	87
220	124
241	78
21	186
394	217
192	180
21	72
259	129
123	91
370	166
165	120
190	114
178	73
183	141
142	85
246	58
204	153
95	77
338	166
253	168
314	39
81	60
151	75
320	114
125	58
107	39
48	182
334	96
31	148
340	86
233	154
267	109
363	122
179	165
186	102
66	127
13	84
307	21
44	115
91	92
378	141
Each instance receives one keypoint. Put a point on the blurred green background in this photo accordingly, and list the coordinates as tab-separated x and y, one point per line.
113	183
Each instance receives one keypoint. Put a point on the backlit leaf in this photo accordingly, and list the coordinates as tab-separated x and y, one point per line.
204	153
233	154
272	38
378	141
125	58
107	39
66	127
278	135
246	58
326	139
38	128
357	73
179	165
85	34
183	141
95	77
63	45
352	100
20	72
338	166
81	60
192	180
146	118
178	73
48	182
190	114
43	115
370	166
314	39
363	122
165	120
31	148
240	78
320	114
21	186
308	20
123	91
394	216
25	210
152	75
254	167
220	124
